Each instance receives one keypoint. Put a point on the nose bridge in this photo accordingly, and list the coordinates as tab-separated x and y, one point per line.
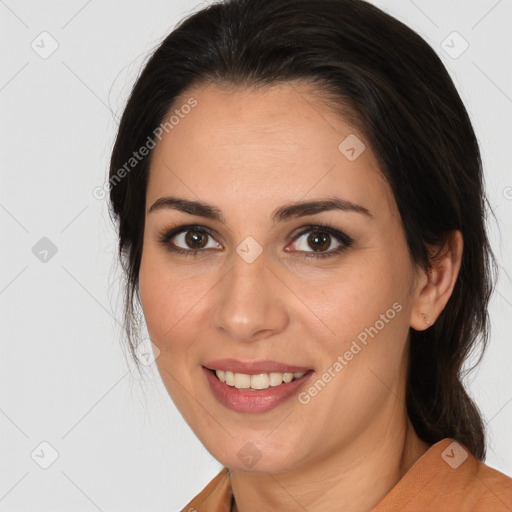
248	270
248	301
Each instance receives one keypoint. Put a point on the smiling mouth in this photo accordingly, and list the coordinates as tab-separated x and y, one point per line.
257	382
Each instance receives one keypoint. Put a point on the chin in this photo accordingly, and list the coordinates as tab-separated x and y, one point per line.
256	456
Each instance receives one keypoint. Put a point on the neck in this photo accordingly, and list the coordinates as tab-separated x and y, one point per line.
353	479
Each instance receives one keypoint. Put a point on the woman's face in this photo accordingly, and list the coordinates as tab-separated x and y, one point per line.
270	286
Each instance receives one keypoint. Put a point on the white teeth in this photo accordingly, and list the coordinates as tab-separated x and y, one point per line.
275	378
242	381
258	381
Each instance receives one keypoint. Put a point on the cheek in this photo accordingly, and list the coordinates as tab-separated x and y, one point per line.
368	334
171	299
352	297
363	349
158	297
361	314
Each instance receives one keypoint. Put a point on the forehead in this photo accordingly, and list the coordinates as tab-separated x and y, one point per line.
259	147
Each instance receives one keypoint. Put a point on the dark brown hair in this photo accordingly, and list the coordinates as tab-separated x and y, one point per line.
390	82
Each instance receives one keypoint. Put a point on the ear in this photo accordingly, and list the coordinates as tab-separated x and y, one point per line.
433	289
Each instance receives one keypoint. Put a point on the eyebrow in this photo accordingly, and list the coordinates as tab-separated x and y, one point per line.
281	214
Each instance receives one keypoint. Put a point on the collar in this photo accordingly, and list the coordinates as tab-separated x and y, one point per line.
446	478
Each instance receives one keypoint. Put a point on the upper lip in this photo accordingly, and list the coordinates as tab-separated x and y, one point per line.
253	367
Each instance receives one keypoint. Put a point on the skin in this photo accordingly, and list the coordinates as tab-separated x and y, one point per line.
249	153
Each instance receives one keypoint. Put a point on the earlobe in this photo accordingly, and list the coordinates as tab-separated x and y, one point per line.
433	294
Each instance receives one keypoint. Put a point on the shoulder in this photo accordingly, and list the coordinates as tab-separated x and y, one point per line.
493	488
448	478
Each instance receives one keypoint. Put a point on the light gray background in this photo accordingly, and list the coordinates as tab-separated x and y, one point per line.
123	446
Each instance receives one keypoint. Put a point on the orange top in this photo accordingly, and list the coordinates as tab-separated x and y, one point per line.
447	478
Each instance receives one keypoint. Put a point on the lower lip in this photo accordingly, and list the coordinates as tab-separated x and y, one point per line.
263	400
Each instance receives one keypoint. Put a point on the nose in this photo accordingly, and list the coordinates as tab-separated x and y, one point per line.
250	301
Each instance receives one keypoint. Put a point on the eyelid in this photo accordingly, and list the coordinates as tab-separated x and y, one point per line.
167	233
324	228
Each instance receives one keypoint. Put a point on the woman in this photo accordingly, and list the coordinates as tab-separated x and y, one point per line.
298	190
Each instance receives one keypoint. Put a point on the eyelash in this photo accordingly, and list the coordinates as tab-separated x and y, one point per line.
165	237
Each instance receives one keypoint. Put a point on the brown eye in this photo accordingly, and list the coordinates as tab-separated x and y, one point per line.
196	239
192	240
188	240
316	240
319	240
